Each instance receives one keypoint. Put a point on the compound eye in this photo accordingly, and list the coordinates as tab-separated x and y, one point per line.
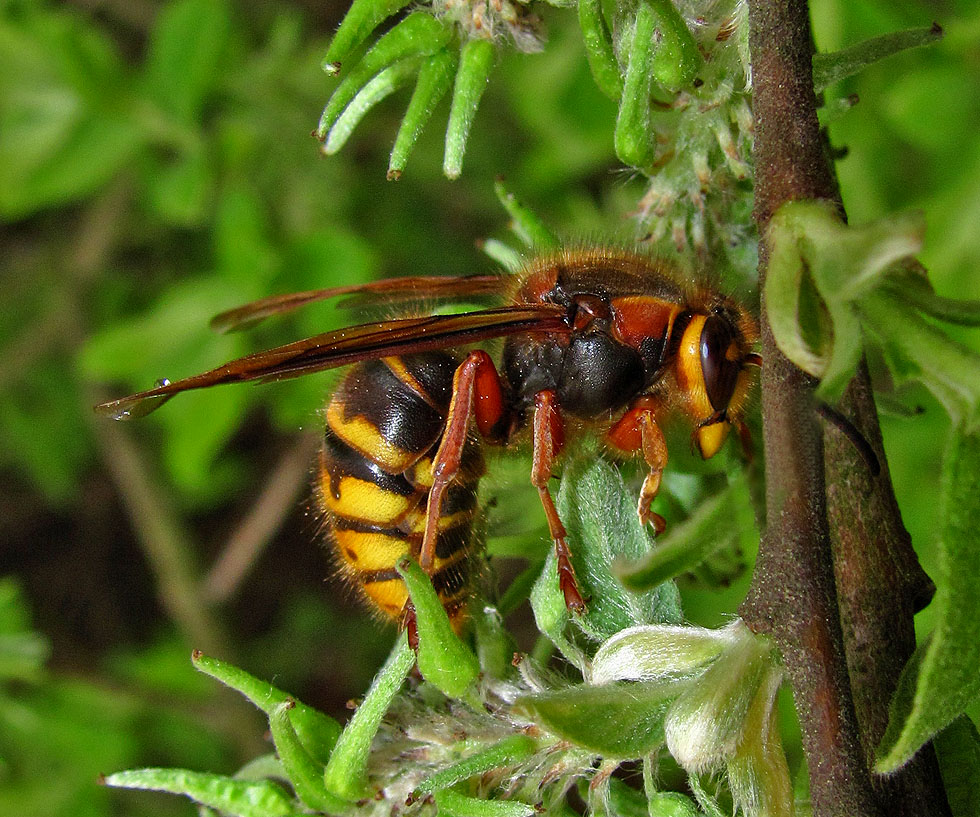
720	362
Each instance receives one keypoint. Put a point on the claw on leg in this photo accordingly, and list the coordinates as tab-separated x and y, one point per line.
410	625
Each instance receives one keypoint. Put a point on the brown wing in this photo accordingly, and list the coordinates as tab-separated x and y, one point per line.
343	346
392	290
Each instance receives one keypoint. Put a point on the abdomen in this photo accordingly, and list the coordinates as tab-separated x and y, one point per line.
384	424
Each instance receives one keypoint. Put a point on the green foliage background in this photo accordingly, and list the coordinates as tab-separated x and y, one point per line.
156	168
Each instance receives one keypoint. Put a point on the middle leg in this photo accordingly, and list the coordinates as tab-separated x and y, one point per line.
548	437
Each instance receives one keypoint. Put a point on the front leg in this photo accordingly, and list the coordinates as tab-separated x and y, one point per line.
638	430
548	438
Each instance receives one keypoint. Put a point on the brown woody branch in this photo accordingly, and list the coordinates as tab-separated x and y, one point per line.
879	584
793	595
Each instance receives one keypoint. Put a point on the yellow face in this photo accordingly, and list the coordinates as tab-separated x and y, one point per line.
711	375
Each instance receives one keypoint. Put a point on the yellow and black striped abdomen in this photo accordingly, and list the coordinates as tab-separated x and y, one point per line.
384	424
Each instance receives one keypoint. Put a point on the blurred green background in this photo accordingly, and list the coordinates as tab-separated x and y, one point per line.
156	168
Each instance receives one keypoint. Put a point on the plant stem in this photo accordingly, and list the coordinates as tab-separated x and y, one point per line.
879	582
880	587
793	595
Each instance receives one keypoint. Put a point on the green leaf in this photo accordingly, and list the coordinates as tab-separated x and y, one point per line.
705	799
833	67
507	752
380	87
171	338
503	254
15	616
454	804
345	775
943	677
418	34
525	223
913	287
714	524
599	48
64	104
958	749
245	252
599	513
917	349
180	189
613	720
435	78
444	660
56	459
845	263
95	149
261	798
361	19
671	804
677	59
305	774
633	136
495	647
317	732
657	651
187	45
475	64
708	722
22	654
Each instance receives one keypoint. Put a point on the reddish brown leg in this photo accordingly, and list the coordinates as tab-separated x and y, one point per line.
410	625
548	439
638	430
745	438
476	393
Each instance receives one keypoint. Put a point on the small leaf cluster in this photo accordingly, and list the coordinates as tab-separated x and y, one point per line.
680	83
445	45
834	290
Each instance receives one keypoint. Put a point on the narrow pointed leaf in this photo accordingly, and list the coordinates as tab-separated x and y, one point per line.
455	804
913	287
508	752
417	34
833	67
444	660
943	677
475	63
345	775
917	349
676	60
714	524
435	79
318	732
303	771
361	19
244	798
632	138
505	255
599	48
525	223
381	86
